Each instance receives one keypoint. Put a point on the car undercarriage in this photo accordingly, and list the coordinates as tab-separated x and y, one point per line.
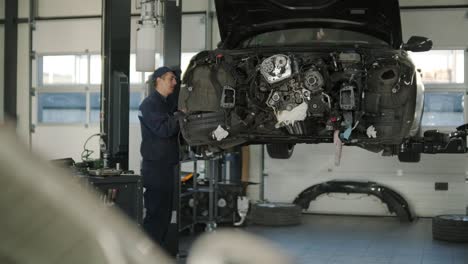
363	95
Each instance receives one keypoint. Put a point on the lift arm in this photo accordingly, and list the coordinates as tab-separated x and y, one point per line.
434	142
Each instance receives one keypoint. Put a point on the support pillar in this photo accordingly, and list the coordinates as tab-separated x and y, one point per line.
11	59
115	82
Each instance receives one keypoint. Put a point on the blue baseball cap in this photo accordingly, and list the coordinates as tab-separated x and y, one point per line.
160	72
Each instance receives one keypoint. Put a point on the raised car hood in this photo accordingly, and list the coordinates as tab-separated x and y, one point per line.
241	19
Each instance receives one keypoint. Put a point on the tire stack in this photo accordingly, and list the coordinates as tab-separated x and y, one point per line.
450	228
275	214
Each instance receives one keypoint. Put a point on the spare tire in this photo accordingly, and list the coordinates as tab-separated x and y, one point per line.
280	150
452	228
276	214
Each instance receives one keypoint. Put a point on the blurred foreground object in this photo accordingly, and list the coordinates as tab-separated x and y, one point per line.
48	217
233	246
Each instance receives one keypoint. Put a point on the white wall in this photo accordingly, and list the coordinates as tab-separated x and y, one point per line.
2	9
48	8
54	142
255	172
57	36
187	5
444	27
215	33
313	164
23	8
191	42
22	100
195	5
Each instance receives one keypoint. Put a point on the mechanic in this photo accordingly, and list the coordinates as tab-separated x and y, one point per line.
160	152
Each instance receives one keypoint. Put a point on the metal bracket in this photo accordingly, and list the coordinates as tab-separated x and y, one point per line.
32	91
434	142
228	97
32	128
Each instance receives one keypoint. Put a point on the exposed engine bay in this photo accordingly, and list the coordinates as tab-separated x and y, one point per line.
359	97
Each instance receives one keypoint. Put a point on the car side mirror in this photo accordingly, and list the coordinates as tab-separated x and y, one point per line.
418	44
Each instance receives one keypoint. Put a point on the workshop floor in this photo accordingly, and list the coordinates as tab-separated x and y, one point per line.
350	239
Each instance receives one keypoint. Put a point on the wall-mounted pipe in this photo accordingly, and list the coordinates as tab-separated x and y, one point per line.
32	57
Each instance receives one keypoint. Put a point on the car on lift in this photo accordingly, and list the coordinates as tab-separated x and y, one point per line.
290	71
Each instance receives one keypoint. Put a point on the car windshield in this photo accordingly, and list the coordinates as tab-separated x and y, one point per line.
308	36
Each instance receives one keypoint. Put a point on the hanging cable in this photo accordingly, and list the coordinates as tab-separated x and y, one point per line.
87	152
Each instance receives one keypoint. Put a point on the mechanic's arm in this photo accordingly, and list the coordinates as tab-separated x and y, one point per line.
161	124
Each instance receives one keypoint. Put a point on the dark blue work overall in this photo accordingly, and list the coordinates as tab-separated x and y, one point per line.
160	153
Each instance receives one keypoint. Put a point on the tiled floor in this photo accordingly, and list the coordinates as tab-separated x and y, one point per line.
348	239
